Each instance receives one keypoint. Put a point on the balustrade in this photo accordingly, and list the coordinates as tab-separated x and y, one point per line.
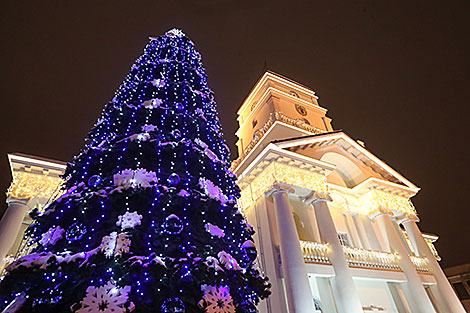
315	252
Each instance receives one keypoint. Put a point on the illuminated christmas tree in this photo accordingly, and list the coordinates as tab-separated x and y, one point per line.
148	220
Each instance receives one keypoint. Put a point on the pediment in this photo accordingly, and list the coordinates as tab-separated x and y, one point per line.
354	163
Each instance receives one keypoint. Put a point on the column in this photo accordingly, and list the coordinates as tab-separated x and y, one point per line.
299	295
347	296
443	285
361	231
313	224
419	296
357	243
10	225
371	234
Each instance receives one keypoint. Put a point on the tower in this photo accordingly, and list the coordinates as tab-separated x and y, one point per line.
336	229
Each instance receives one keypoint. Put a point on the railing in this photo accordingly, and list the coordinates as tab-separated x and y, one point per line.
421	263
315	252
371	259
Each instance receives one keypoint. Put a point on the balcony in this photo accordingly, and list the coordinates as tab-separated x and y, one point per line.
317	253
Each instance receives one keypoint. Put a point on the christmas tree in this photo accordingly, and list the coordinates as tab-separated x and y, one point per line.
148	220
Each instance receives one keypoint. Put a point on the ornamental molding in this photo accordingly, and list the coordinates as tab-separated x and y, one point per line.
284	168
278	187
350	145
408	218
278	94
380	211
307	177
259	134
263	81
34	177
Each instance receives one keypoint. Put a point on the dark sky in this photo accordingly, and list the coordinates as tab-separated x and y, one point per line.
394	74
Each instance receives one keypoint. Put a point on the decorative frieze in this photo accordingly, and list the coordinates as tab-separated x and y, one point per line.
277	172
26	185
371	202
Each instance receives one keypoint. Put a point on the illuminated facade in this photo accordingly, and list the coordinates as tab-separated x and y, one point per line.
36	181
335	228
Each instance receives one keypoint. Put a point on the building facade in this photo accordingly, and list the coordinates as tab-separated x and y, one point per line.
336	230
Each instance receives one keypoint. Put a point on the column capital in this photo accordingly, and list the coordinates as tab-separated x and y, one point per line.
278	187
317	196
29	202
407	218
380	211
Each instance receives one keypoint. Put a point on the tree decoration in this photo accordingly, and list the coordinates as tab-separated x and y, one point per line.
149	128
183	193
115	245
139	137
212	262
212	191
75	231
228	261
179	107
176	134
135	178
173	225
107	298
217	299
129	220
174	179
152	103
214	230
173	305
95	181
165	185
53	235
250	250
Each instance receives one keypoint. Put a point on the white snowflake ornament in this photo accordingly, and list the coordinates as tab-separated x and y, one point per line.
212	191
115	245
217	299
53	235
123	178
106	299
214	230
144	178
175	32
135	178
149	128
129	220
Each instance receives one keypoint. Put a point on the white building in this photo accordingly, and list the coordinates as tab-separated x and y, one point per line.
336	230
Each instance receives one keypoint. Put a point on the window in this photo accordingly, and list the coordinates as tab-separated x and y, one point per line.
344	240
461	291
254	123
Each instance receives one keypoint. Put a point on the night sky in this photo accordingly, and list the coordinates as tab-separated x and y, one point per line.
393	74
